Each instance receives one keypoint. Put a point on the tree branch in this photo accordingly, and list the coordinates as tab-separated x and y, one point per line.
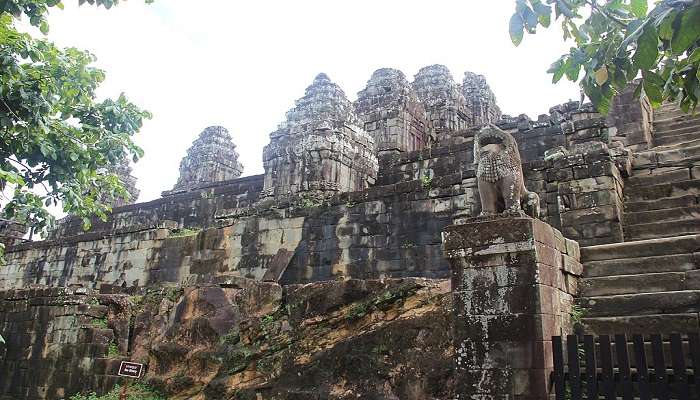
596	7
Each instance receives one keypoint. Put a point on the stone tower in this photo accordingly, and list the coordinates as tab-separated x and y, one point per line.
320	147
123	171
392	113
212	158
481	101
446	106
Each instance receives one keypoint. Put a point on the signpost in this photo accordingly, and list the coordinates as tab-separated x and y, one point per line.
131	370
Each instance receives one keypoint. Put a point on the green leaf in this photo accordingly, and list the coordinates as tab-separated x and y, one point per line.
601	75
530	19
572	69
633	31
558	70
561	7
653	88
638	90
639	8
517	27
666	29
541	9
694	57
647	48
688	31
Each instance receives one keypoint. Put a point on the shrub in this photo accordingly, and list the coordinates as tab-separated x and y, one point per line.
136	391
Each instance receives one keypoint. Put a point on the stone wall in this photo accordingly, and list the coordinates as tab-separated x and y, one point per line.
632	116
196	209
389	230
239	339
57	343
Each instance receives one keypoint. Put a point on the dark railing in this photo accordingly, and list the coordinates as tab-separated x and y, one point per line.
610	368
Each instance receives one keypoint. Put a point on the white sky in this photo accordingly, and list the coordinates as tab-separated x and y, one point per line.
241	64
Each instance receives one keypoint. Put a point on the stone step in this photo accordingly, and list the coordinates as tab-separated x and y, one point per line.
663	324
676	131
642	248
675	302
675	156
670	111
690	138
670	115
657	176
661	191
630	284
642	265
661	229
659	204
678	156
662	126
663	215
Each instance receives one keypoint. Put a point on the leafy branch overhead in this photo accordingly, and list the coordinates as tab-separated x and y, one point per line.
619	41
58	142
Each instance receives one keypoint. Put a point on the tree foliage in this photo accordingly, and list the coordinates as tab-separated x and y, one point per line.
58	142
618	41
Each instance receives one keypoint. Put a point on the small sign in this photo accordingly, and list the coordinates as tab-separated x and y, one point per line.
130	369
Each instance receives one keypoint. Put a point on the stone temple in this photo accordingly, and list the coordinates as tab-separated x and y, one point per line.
357	265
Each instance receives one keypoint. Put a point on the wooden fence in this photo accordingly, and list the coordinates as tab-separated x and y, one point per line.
609	368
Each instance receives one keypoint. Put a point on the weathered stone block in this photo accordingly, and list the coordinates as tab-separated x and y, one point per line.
510	286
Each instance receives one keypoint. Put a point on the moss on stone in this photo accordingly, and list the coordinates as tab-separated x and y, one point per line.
113	350
184	232
100	323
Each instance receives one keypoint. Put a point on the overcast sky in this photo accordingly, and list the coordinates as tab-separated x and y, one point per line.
241	64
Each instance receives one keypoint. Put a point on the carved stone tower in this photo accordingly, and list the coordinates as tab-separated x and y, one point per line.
212	158
123	171
320	147
392	113
481	101
442	98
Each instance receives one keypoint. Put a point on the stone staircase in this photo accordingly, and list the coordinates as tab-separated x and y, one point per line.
662	197
651	282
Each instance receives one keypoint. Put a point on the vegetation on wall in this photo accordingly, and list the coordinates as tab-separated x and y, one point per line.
136	391
618	41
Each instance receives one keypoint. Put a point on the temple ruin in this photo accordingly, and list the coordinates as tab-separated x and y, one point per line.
357	265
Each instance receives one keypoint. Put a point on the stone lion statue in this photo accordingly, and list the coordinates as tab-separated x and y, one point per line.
499	174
